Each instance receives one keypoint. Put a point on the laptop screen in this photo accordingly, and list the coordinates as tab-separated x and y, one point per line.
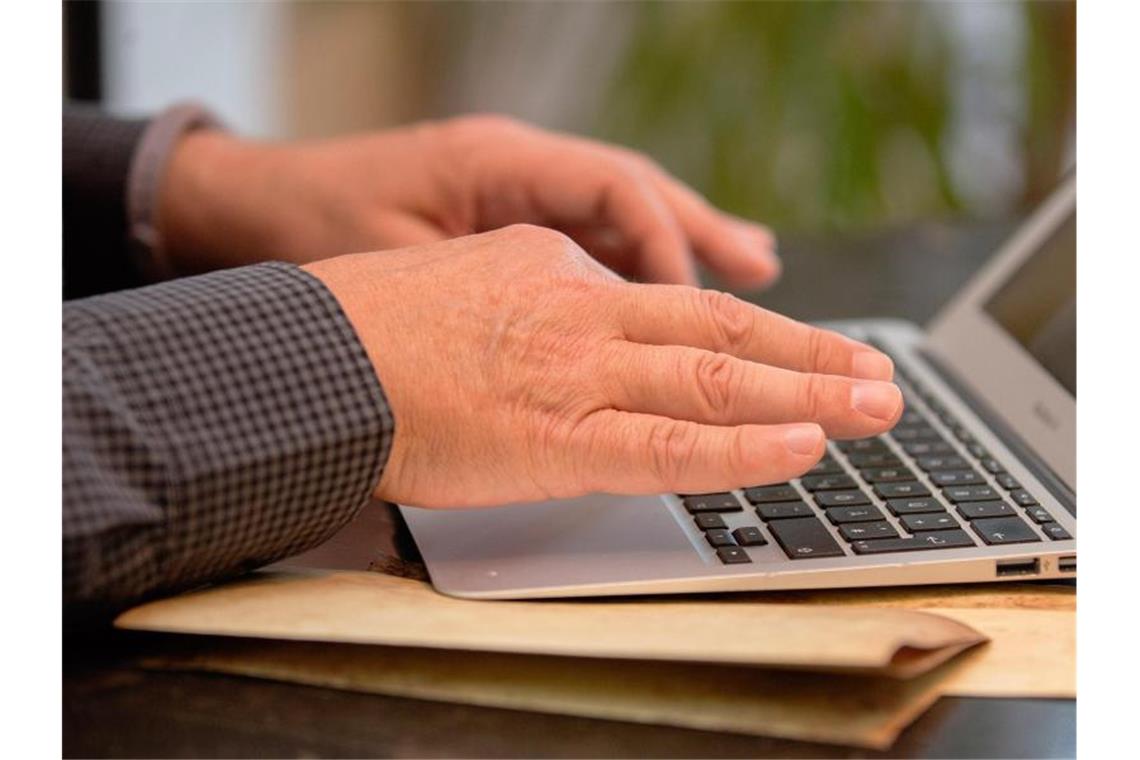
1037	305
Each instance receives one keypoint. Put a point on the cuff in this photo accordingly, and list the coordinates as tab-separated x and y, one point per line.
145	180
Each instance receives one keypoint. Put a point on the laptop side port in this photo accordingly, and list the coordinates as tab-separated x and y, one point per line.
1067	564
1007	567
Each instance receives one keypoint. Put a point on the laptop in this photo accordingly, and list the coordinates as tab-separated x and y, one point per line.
976	483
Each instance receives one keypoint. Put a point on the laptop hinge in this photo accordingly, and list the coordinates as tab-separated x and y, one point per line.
1015	443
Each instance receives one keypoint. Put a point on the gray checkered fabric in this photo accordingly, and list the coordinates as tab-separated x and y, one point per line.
210	425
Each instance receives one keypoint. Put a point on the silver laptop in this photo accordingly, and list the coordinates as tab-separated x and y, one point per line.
976	483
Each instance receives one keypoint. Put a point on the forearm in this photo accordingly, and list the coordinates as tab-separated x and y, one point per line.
211	425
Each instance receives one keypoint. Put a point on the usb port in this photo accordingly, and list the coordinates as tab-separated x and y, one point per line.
1067	564
1018	567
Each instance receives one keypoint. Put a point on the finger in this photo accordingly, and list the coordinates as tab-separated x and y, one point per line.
709	319
741	252
626	452
718	389
582	186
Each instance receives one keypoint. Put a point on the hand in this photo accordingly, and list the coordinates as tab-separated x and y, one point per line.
518	368
227	201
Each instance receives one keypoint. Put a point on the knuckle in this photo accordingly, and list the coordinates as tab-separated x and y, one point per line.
672	446
717	382
811	396
733	325
818	348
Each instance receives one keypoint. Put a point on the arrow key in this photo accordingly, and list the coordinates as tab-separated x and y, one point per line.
1004	530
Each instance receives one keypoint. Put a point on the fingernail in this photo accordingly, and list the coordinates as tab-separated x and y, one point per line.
871	365
878	400
803	439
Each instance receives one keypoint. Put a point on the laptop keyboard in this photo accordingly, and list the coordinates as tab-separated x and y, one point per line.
912	489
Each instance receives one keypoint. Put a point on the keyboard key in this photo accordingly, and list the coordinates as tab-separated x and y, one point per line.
1024	498
958	494
749	536
784	510
732	555
1056	532
942	539
915	434
992	465
887	474
709	521
911	417
944	462
899	490
924	448
863	459
719	537
765	494
1008	482
805	538
862	531
1039	515
924	523
1004	530
825	466
712	502
918	506
977	450
841	515
976	510
841	498
861	444
962	434
945	478
827	482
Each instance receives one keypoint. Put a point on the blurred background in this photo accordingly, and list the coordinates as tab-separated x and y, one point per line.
813	116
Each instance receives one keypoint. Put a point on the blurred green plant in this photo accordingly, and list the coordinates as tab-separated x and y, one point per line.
820	115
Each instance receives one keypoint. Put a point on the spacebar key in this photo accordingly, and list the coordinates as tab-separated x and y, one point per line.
940	539
804	538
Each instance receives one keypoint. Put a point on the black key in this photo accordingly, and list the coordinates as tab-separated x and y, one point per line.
784	510
1008	482
942	539
825	466
978	450
887	474
1024	498
709	521
962	434
841	515
947	419
1056	532
841	498
719	537
911	417
732	555
924	448
899	490
805	538
945	478
863	459
919	506
861	444
1039	515
749	536
1004	530
992	465
827	482
944	462
958	494
712	502
976	510
915	434
765	494
862	531
923	523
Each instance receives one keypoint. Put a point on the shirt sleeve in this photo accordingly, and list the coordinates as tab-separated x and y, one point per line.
211	425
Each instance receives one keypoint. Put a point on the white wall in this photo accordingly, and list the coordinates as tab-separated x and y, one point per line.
224	54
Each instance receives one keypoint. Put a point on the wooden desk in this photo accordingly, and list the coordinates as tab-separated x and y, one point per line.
112	708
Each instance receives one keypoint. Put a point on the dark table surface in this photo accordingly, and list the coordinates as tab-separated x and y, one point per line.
112	707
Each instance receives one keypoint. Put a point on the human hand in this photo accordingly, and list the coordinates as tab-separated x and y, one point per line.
227	201
517	368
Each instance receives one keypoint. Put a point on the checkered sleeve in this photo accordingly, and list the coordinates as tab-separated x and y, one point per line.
211	425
